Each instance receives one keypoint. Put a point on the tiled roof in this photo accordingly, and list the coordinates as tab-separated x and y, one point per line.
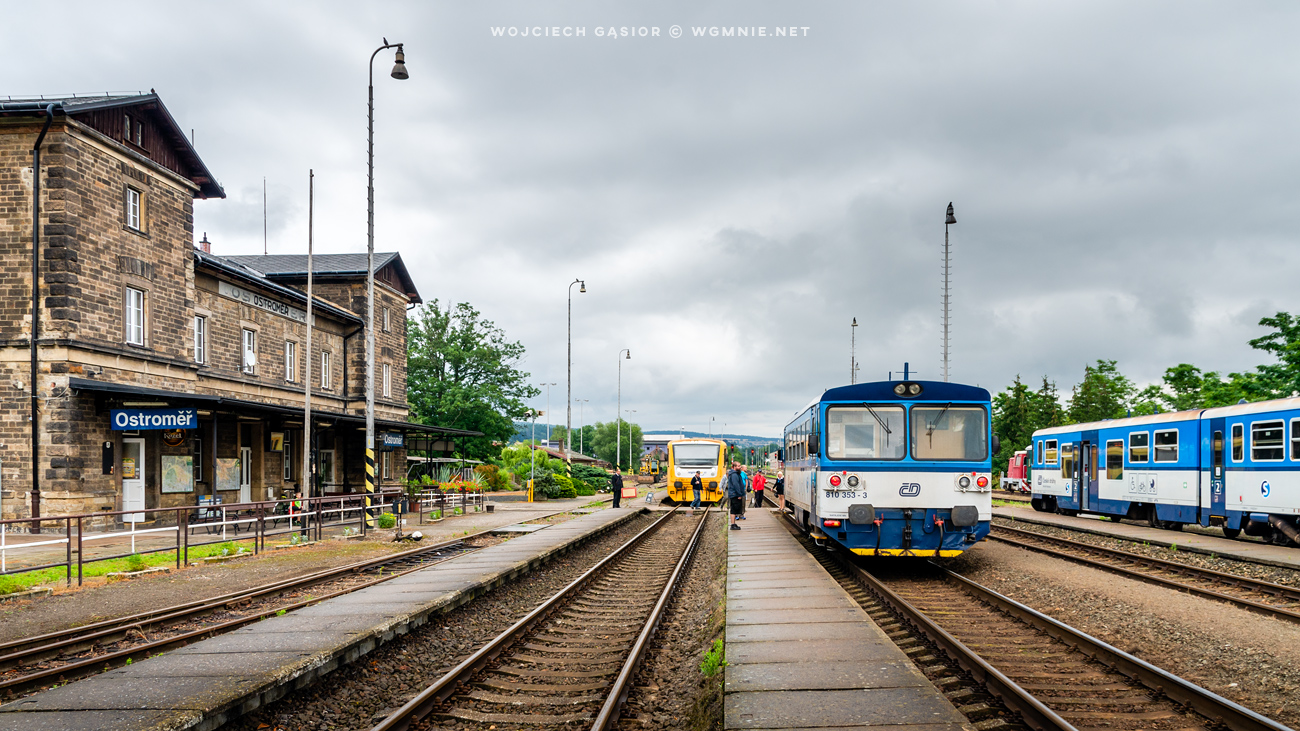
296	264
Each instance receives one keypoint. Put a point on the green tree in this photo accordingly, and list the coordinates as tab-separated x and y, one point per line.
1014	421
1104	393
1046	406
1283	377
462	373
604	439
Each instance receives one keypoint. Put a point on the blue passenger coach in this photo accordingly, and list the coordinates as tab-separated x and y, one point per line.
893	468
1236	467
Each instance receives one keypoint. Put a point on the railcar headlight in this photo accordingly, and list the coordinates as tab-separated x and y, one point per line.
914	389
835	480
964	481
901	389
853	480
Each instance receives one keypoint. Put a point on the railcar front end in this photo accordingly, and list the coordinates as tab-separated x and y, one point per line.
686	458
894	468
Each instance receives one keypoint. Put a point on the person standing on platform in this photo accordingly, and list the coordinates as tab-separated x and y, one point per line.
744	477
760	482
697	487
780	490
616	484
735	492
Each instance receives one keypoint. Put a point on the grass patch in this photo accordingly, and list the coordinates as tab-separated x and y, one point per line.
135	562
714	660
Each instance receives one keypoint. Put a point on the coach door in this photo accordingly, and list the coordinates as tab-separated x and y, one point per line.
1086	460
1217	502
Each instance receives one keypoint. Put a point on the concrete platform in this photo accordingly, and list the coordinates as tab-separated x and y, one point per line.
802	654
209	683
1187	540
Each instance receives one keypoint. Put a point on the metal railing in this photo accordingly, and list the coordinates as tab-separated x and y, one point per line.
33	544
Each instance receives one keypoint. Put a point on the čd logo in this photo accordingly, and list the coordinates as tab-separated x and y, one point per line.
910	489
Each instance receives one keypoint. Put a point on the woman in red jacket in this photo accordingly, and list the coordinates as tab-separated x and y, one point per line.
759	482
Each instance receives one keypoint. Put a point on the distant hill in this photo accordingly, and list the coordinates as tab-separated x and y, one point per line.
523	428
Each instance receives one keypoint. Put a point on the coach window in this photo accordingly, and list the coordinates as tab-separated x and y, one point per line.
1166	446
865	432
1238	442
1115	460
1295	440
1038	452
1137	447
1267	441
1049	448
949	433
1067	461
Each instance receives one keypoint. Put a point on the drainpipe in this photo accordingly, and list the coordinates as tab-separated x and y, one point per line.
36	315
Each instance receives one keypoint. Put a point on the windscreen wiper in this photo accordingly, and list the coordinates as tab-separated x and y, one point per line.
881	422
934	424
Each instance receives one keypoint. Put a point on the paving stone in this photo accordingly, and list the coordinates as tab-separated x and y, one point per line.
821	708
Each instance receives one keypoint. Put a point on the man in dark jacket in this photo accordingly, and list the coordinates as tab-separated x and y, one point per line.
697	487
735	492
616	484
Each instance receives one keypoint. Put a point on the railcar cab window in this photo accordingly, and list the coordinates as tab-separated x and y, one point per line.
949	433
1238	442
1267	441
865	432
1138	444
695	456
1166	446
1050	451
1115	460
1067	461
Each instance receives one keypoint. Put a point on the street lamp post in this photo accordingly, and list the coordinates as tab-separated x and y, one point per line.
618	410
946	270
853	352
568	409
548	412
399	73
582	425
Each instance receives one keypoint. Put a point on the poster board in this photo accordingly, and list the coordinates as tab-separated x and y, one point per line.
227	477
177	473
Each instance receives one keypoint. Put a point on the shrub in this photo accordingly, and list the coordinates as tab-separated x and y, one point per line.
136	562
492	477
387	520
714	660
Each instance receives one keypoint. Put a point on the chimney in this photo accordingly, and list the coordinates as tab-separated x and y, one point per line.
205	246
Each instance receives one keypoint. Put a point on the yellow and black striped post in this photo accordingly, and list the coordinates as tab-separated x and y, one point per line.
370	485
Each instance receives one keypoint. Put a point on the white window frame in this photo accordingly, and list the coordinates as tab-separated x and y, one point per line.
200	339
290	361
1281	422
133	316
247	347
1038	455
1232	455
1055	449
387	461
326	376
134	204
1155	448
286	462
388	381
324	457
1146	459
1123	445
197	451
387	323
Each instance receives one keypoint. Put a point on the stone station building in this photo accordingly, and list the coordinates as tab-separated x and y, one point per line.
142	328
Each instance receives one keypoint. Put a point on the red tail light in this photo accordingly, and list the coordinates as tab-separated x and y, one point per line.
835	480
831	523
982	482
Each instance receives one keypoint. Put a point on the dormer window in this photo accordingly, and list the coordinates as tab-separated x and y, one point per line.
133	131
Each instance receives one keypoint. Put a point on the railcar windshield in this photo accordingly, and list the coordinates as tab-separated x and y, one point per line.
865	432
696	455
949	432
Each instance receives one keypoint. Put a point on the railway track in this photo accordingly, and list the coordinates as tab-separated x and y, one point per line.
571	660
1050	675
1264	597
31	663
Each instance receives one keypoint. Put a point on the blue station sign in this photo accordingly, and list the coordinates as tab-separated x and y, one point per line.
153	419
392	440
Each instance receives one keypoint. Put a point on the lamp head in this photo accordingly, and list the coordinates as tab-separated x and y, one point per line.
399	68
583	287
950	218
628	356
855	322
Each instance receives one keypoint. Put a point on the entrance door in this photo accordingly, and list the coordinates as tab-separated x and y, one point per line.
245	474
1217	504
133	473
1085	475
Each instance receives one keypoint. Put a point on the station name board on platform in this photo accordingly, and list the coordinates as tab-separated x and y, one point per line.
153	419
226	289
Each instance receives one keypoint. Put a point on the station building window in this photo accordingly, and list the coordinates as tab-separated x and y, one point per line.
388	381
134	206
325	373
250	352
134	319
286	466
200	339
290	361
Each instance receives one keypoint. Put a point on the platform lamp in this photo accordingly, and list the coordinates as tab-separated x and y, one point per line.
947	270
399	73
853	352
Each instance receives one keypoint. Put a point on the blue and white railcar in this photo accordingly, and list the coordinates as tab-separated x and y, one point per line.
1250	469
1144	468
893	468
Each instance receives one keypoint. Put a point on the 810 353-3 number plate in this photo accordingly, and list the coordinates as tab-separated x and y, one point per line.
849	494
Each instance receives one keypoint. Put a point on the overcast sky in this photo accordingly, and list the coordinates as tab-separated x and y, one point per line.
1124	176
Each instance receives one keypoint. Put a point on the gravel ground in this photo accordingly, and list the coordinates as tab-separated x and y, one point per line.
1248	658
362	694
72	607
670	692
1277	575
